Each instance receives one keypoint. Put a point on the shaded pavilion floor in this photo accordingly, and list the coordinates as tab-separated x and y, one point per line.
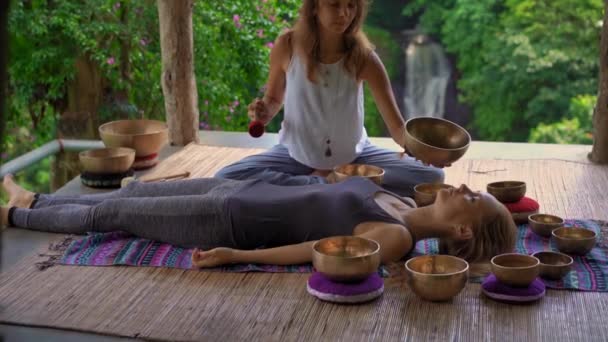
175	304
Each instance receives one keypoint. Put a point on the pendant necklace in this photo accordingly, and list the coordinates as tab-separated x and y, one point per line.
325	77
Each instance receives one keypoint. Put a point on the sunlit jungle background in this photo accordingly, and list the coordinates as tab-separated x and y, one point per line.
508	70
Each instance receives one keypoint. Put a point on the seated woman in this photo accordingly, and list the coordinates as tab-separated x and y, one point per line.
231	221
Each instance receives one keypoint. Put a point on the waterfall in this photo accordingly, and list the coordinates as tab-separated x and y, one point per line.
427	76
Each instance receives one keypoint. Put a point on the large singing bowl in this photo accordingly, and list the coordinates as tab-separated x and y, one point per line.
146	137
435	141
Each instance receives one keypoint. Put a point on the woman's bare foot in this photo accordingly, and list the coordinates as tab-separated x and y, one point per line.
212	258
18	196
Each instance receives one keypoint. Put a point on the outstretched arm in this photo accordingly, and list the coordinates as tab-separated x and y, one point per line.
395	241
285	255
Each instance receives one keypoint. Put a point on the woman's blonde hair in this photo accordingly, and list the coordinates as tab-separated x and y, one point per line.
495	236
306	40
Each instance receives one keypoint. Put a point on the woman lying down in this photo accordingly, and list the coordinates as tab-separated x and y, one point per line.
228	221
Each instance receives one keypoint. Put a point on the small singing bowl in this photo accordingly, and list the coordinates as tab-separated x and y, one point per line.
553	265
436	277
507	191
518	270
146	137
574	240
346	258
373	173
543	224
107	160
435	141
426	193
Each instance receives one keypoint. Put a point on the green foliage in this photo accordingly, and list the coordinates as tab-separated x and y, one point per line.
232	41
521	60
389	52
574	129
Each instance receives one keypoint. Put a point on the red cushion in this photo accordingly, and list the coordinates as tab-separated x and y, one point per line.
525	204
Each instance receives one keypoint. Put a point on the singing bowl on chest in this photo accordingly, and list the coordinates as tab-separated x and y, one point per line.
371	172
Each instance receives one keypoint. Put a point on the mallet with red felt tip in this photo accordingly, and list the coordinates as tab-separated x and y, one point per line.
256	128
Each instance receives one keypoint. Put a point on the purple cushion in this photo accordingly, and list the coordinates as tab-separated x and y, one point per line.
325	289
496	290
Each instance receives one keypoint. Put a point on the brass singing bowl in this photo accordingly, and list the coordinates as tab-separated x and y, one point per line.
435	141
426	193
543	224
518	270
507	191
107	160
146	137
553	265
574	240
437	277
346	258
373	173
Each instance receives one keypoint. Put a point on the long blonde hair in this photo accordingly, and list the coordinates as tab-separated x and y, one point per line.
495	236
306	40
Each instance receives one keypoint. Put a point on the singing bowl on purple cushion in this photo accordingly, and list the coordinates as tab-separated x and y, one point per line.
513	269
107	160
436	277
146	137
435	141
346	258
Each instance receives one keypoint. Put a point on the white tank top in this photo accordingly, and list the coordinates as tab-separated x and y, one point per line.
330	110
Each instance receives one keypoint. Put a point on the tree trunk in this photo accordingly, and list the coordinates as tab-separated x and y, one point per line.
79	119
599	153
3	65
177	79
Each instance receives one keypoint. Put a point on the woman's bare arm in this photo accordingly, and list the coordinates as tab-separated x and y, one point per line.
395	241
280	57
375	75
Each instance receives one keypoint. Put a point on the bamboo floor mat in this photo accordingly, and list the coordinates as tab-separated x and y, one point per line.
172	304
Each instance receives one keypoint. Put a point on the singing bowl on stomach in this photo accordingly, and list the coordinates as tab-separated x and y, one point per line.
435	141
437	277
518	270
574	240
426	193
146	137
107	160
543	224
553	265
346	258
373	173
507	191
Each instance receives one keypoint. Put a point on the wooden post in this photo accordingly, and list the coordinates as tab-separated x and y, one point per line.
599	153
177	78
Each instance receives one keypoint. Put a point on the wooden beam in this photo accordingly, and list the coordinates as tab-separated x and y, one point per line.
177	78
599	153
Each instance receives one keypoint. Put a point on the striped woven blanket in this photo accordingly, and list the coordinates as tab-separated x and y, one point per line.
589	273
